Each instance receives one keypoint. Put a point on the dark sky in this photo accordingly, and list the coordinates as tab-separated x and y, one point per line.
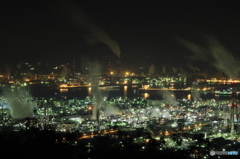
60	31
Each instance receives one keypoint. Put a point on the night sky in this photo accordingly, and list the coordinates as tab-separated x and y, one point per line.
58	31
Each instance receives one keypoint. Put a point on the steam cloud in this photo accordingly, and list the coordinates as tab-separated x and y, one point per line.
174	69
64	72
95	71
8	72
19	104
190	66
196	96
160	113
96	34
112	110
164	69
151	69
169	97
156	113
216	54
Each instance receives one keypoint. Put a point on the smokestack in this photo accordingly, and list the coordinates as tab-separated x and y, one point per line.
234	109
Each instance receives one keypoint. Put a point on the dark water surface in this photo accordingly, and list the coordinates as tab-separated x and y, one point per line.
129	92
82	93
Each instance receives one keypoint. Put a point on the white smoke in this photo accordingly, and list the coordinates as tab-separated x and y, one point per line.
20	104
156	113
8	72
174	69
193	68
166	114
164	69
216	54
94	73
65	71
96	33
196	96
112	110
151	69
160	113
169	97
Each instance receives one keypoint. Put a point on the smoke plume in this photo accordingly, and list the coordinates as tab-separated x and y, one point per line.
174	69
96	33
169	97
151	69
8	72
112	110
94	73
215	54
19	104
64	72
193	68
196	96
164	69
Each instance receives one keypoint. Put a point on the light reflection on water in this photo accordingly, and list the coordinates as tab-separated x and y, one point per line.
124	91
